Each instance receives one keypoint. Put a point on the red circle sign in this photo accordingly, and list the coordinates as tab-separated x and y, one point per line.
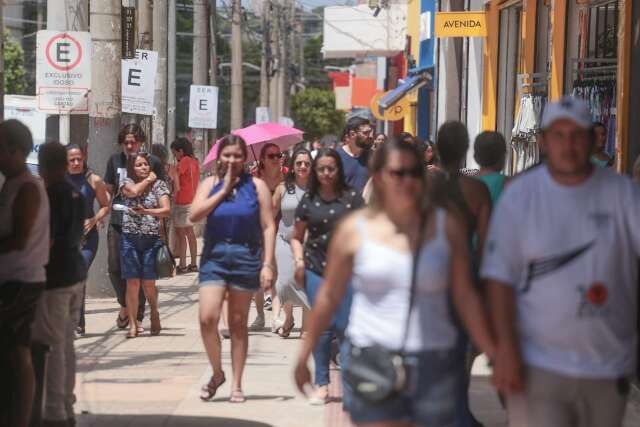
53	63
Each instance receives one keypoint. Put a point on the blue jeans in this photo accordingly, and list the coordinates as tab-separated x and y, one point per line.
138	256
89	250
322	352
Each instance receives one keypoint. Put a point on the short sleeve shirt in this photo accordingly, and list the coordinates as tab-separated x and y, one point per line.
356	169
189	176
117	171
148	225
321	217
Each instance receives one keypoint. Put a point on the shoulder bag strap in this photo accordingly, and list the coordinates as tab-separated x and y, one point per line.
414	280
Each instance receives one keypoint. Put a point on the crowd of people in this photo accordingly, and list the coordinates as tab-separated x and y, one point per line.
411	264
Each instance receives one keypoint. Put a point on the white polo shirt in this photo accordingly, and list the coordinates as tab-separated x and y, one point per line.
571	255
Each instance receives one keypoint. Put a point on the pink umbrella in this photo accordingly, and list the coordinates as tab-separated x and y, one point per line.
257	135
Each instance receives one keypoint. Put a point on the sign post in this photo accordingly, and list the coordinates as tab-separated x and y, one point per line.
63	75
138	82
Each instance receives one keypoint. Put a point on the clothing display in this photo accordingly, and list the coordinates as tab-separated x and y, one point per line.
600	94
524	147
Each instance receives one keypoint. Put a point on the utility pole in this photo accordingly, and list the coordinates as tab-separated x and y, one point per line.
200	65
213	68
145	25
236	65
171	74
104	112
264	63
300	29
276	63
290	41
70	15
160	20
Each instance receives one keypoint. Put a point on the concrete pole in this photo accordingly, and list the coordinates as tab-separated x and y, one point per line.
104	114
236	65
200	66
213	67
274	93
264	63
171	74
70	15
291	50
145	25
160	21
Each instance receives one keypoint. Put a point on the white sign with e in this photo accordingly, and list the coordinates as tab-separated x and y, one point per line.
203	107
138	82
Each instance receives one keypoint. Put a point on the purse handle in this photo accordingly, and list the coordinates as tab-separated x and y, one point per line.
414	279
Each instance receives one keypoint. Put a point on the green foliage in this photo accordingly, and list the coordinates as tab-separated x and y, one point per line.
15	74
314	111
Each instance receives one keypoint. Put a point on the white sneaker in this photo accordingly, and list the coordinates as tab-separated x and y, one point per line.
258	323
276	324
268	302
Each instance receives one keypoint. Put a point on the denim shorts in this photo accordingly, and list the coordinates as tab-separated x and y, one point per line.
428	400
235	265
138	256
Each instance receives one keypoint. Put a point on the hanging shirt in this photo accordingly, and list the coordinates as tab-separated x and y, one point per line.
570	253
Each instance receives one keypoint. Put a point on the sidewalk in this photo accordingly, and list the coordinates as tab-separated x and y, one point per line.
155	381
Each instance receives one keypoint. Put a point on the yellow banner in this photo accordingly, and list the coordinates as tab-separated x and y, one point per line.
461	24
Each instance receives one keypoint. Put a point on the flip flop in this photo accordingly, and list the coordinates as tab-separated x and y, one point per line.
209	390
122	322
237	397
284	332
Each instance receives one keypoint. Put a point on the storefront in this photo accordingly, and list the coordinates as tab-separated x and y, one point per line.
547	48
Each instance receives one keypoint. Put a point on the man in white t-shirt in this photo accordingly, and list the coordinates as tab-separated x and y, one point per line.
562	272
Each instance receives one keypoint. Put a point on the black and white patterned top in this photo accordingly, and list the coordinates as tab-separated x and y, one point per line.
321	217
144	224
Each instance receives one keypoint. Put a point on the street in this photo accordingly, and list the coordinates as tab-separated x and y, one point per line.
155	381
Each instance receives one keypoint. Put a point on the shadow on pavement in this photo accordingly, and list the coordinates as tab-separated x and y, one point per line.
255	397
109	420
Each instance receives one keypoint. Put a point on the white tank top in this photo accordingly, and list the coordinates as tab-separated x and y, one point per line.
381	285
27	265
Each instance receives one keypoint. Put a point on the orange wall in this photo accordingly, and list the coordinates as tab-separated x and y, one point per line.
362	90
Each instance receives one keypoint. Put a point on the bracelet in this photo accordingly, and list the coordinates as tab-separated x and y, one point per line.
269	266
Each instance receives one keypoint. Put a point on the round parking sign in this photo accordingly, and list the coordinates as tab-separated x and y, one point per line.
63	52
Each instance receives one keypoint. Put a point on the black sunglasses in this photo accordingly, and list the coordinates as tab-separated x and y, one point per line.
402	173
274	156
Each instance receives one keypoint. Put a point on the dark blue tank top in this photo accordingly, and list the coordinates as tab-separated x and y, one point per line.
237	218
82	185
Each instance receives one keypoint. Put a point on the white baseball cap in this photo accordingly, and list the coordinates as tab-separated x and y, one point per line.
567	107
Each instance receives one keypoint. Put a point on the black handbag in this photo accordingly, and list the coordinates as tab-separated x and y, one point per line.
375	373
165	264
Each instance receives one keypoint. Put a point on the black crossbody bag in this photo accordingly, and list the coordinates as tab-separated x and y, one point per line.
375	373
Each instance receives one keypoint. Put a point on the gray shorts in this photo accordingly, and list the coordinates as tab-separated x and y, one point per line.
555	400
180	216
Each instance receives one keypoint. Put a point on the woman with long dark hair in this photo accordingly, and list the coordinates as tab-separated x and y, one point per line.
327	201
188	172
375	248
147	202
237	257
285	201
92	187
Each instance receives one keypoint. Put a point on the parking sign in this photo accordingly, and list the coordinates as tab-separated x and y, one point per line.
63	71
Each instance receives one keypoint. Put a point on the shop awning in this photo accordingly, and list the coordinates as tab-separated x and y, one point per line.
410	83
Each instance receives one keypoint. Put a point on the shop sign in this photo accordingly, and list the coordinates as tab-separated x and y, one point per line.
63	71
128	15
461	24
396	112
203	107
138	82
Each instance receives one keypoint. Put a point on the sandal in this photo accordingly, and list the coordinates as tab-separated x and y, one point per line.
132	334
182	270
155	324
140	329
237	397
209	390
192	268
122	322
284	332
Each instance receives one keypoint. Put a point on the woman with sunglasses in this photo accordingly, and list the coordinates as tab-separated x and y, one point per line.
237	258
147	200
270	171
327	201
375	249
285	201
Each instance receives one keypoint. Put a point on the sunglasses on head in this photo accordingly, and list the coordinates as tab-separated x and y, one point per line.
274	156
402	173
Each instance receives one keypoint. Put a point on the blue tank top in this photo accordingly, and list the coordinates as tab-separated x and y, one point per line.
237	218
82	185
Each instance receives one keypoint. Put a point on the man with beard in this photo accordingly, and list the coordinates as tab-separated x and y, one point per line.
355	152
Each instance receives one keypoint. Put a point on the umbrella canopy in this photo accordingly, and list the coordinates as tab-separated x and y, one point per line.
260	134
